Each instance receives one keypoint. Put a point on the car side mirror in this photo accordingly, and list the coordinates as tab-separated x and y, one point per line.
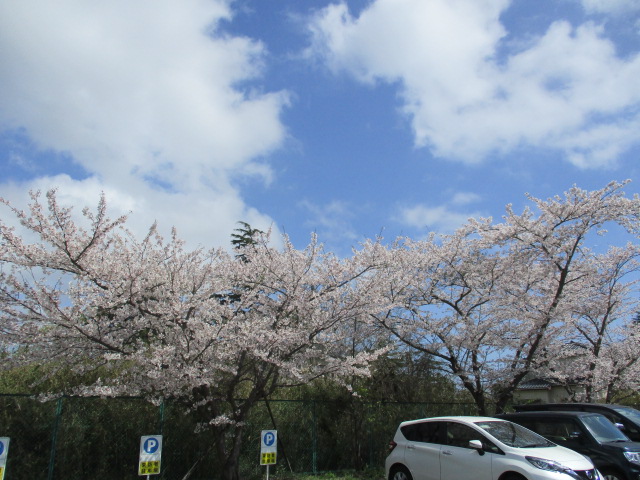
620	426
477	445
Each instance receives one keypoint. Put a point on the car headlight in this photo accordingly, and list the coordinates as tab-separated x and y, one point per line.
633	457
549	465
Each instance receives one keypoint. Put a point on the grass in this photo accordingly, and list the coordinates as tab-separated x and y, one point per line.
370	474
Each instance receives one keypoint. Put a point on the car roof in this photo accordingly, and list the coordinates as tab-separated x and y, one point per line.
548	413
458	418
569	404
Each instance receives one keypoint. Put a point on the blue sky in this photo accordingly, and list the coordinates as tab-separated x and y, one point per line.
348	119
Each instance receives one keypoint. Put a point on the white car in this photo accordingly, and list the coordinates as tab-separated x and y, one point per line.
480	448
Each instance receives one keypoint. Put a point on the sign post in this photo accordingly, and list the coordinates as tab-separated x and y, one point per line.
150	455
268	448
4	451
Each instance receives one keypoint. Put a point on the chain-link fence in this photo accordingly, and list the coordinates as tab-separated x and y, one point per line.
86	438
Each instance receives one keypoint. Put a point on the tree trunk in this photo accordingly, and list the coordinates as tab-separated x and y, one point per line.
477	393
231	466
505	395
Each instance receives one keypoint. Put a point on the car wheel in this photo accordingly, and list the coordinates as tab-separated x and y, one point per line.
400	473
611	475
514	476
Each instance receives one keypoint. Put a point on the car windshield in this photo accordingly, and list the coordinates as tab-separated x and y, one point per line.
514	435
630	413
603	430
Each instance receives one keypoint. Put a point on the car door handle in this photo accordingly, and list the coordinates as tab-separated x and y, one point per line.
411	447
447	452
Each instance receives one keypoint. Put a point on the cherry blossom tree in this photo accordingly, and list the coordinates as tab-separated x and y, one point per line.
622	377
491	299
443	289
214	330
554	263
605	336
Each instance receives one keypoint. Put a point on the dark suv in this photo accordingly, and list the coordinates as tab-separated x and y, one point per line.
626	418
591	434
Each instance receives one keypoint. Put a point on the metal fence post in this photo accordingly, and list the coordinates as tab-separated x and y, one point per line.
314	440
161	417
368	408
160	429
54	439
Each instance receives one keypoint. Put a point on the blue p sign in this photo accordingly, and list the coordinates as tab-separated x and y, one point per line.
1	447
151	445
269	438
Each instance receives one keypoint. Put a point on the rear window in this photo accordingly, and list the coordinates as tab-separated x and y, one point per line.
428	432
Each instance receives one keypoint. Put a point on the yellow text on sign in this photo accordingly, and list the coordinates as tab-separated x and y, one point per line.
268	458
1	473
148	468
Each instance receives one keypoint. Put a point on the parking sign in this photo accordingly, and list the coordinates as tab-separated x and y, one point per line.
4	450
268	447
150	455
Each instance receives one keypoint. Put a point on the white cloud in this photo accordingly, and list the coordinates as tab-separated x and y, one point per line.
465	198
611	6
440	219
562	91
145	96
444	218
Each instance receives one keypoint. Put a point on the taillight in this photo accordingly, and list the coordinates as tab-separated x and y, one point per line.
392	445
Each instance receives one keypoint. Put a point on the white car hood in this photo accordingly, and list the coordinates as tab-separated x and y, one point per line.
562	455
